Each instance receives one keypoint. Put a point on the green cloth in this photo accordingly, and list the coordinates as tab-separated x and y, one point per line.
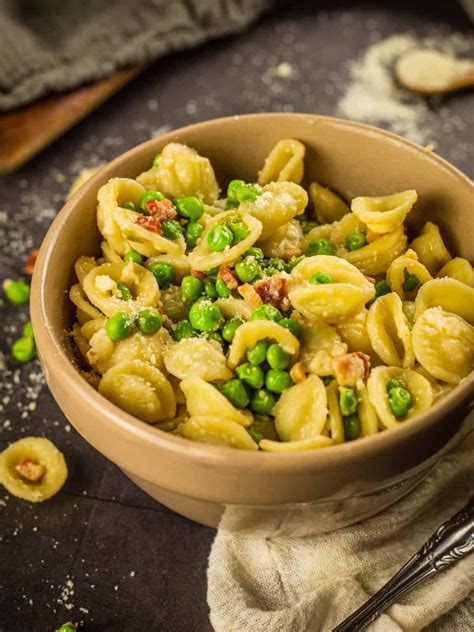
55	45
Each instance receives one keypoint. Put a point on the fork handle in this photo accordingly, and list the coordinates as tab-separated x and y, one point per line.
453	540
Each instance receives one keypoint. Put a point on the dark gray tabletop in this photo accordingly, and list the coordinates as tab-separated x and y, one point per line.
101	552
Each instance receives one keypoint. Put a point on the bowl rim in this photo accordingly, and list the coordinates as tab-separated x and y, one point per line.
208	454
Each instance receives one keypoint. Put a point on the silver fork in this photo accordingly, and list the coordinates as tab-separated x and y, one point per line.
453	540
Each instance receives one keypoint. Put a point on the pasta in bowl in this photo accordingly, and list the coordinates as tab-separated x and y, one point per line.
258	312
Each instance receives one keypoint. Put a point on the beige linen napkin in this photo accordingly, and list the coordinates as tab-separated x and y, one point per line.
285	584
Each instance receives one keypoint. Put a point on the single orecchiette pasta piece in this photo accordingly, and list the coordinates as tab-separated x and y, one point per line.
353	332
376	257
444	345
204	400
285	163
453	296
32	468
389	332
248	334
328	206
346	295
182	172
119	225
384	214
320	343
418	386
202	258
85	311
141	390
197	357
217	430
430	248
173	304
100	287
149	349
279	202
334	422
369	423
234	308
285	242
267	445
459	269
399	269
301	411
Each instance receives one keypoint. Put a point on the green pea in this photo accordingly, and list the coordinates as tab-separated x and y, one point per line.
251	375
172	229
236	393
255	434
410	281
262	402
148	196
129	206
319	247
258	353
266	312
222	289
28	330
156	159
395	383
277	357
149	321
351	427
239	230
163	272
277	264
183	329
277	380
125	294
219	237
133	255
119	326
293	262
232	189
24	349
355	240
17	292
307	227
247	270
205	316
210	288
190	208
381	288
320	278
293	325
192	233
399	401
348	400
191	288
229	329
215	335
67	627
255	252
248	193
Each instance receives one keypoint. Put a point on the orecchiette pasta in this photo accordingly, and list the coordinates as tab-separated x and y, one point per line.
328	206
285	163
453	296
418	386
243	322
384	214
430	248
181	172
444	345
389	331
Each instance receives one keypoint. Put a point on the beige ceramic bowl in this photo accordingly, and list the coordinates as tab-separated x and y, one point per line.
264	493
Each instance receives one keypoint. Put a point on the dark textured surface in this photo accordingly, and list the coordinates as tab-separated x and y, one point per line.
121	560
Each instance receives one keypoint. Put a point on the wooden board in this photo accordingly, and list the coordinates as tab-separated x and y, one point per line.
24	132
